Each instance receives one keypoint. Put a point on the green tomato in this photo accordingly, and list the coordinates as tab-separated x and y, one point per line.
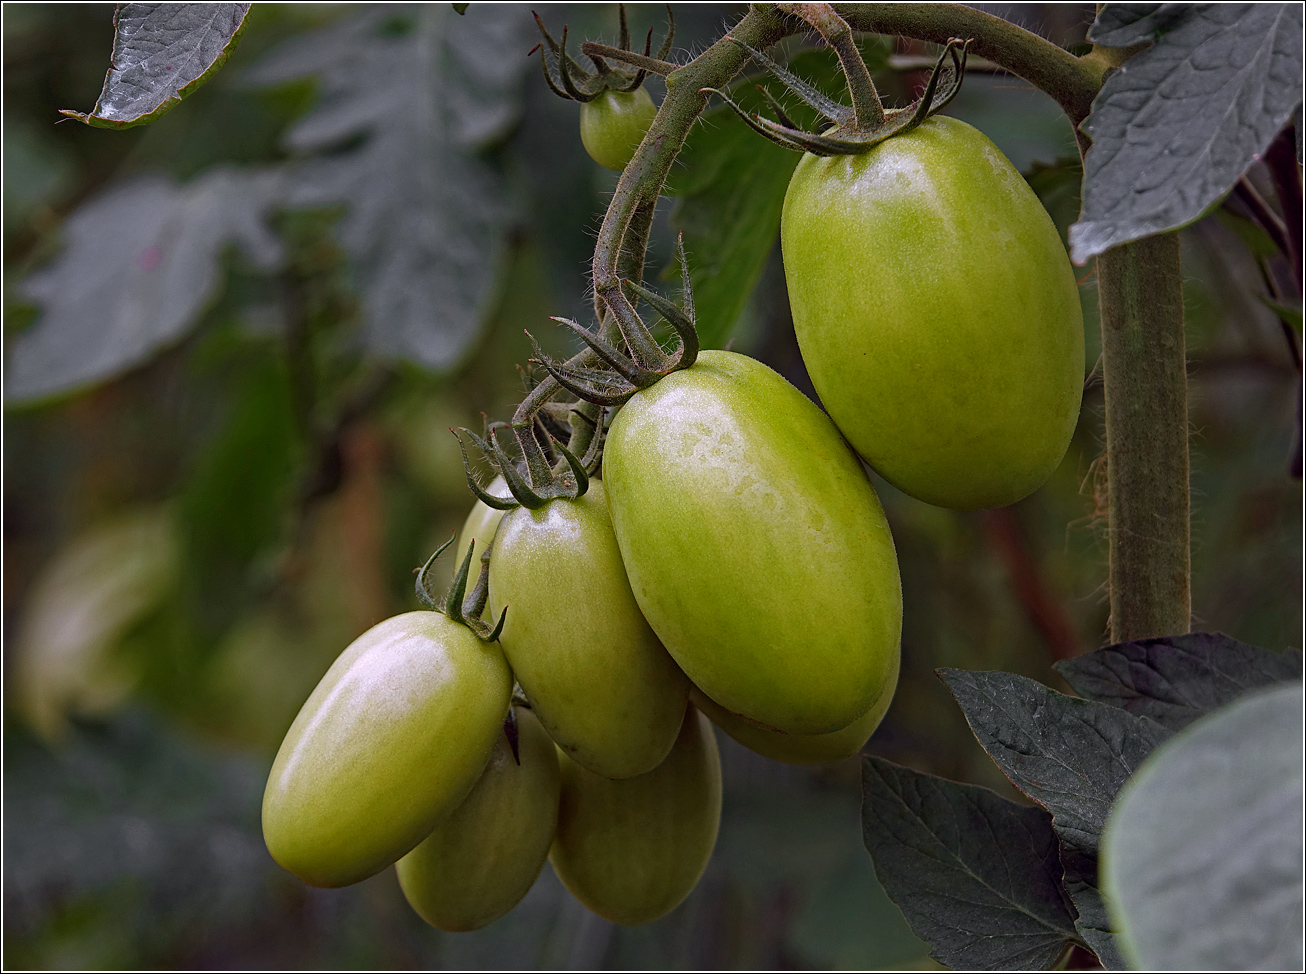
390	741
594	671
799	748
613	125
937	314
632	850
480	861
755	545
481	523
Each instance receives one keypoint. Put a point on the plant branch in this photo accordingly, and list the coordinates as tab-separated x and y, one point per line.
651	64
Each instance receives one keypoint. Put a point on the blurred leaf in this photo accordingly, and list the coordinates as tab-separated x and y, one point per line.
138	269
426	92
729	183
1176	679
1176	126
94	589
1202	857
161	53
977	876
1287	313
1069	755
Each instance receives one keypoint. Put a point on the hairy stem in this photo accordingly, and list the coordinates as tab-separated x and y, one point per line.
1145	385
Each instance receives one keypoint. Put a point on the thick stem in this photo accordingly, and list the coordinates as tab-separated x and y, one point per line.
1140	297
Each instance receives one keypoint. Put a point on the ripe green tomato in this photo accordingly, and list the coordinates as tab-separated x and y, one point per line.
937	314
631	850
613	125
389	742
594	671
799	748
481	524
483	858
755	545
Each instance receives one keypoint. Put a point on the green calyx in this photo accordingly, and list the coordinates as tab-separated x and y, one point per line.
546	471
458	604
642	361
567	79
851	131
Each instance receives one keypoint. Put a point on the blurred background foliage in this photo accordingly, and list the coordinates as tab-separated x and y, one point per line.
236	340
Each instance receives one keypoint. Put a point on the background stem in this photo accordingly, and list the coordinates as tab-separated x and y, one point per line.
1145	385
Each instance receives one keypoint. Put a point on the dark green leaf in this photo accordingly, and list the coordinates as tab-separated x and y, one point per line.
976	876
1069	755
161	53
1176	679
1182	120
1202	857
427	92
139	266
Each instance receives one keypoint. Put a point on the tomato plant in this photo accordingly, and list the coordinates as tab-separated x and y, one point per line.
596	674
390	741
480	860
614	123
937	313
631	850
755	545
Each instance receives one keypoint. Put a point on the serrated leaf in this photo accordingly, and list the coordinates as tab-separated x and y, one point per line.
1176	126
976	876
161	53
1174	680
139	265
1069	755
427	91
1202	856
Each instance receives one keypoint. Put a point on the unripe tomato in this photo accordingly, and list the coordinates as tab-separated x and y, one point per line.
482	859
755	545
937	313
613	125
799	748
482	521
390	741
632	850
595	673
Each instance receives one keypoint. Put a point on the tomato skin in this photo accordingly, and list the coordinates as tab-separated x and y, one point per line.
800	748
613	125
937	314
481	859
482	521
632	850
392	739
755	545
599	680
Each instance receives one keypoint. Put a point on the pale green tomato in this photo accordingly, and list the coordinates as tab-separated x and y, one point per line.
800	748
613	125
481	524
593	670
482	859
937	313
755	545
390	741
632	850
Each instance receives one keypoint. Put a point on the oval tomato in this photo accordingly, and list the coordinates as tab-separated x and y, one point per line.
631	850
482	521
613	125
595	673
937	313
482	859
755	545
391	740
799	748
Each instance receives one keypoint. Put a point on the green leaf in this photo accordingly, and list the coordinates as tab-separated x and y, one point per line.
139	266
976	876
1069	755
161	53
426	92
1288	314
1176	126
1202	857
1174	680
